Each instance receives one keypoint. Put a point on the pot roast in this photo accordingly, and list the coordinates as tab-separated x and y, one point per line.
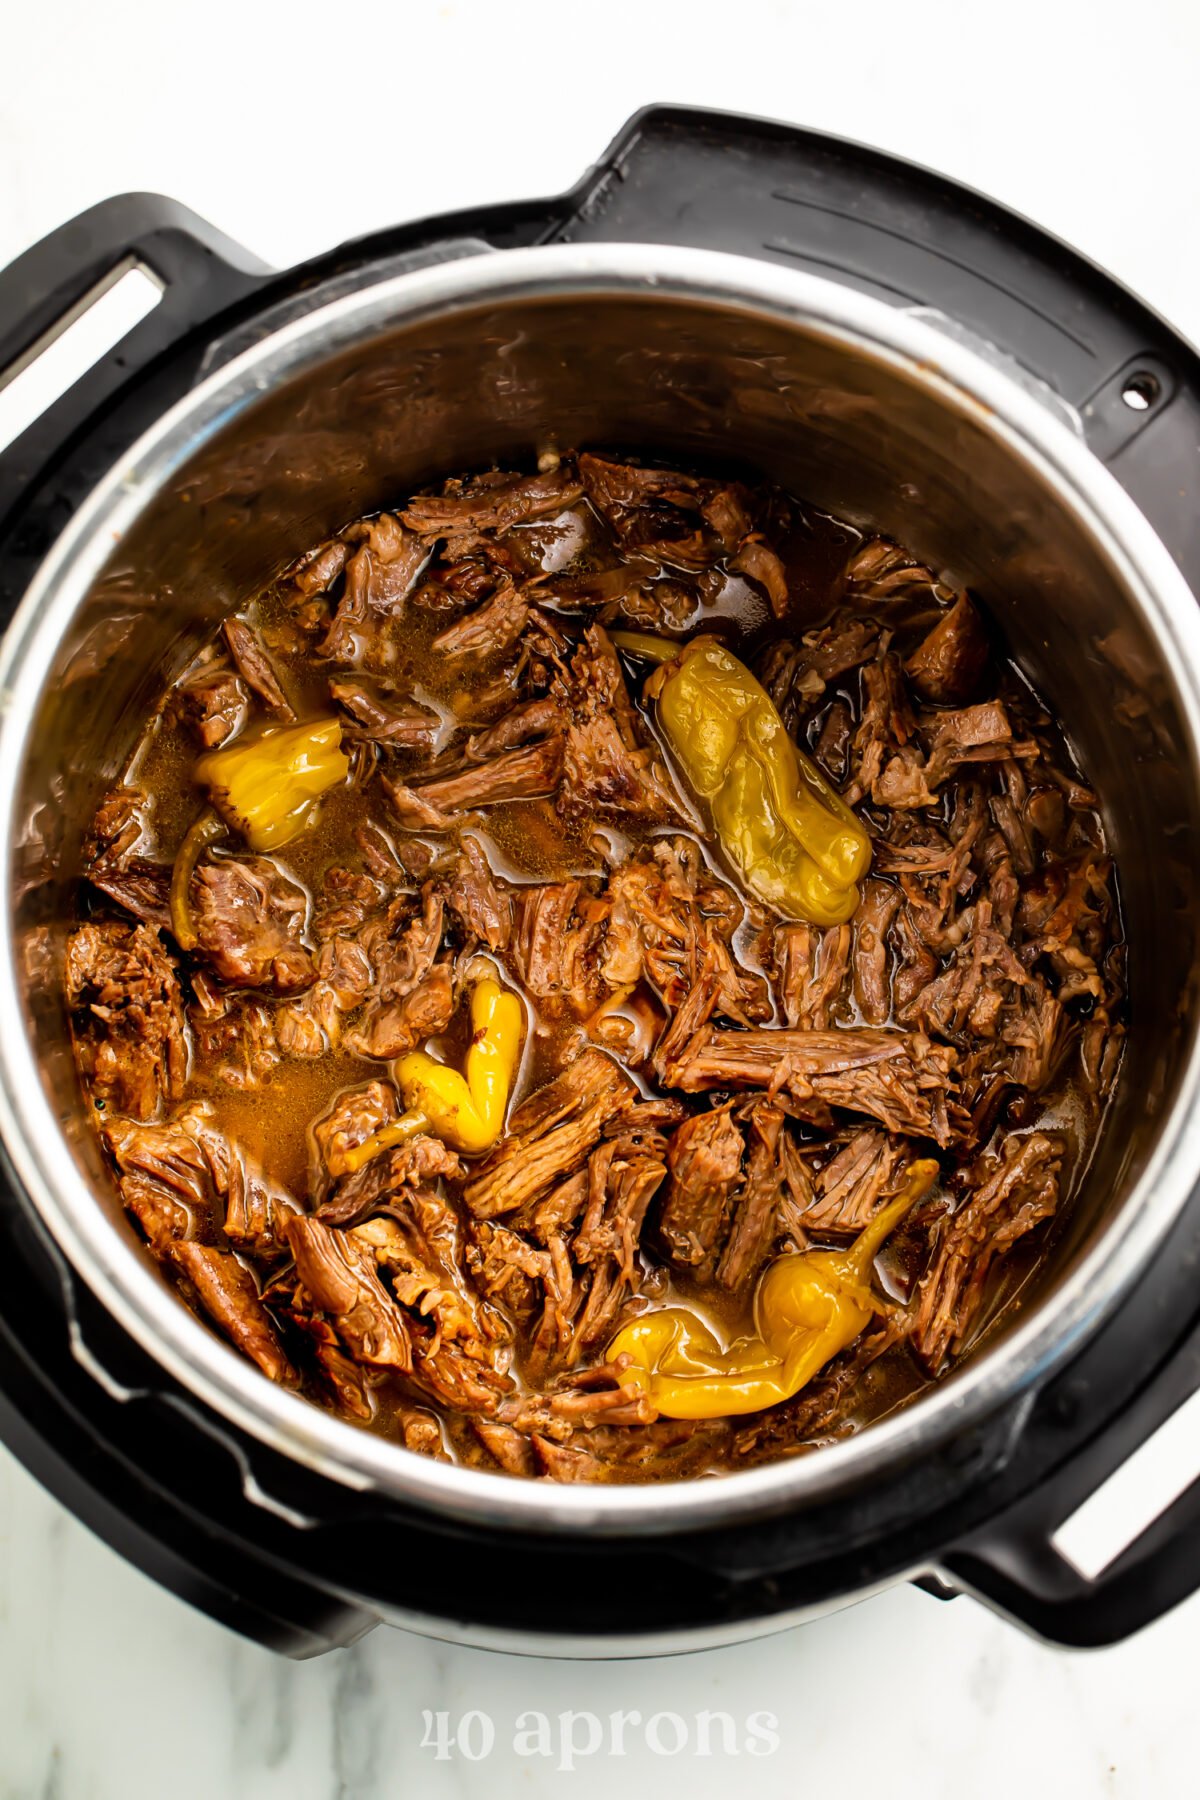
425	777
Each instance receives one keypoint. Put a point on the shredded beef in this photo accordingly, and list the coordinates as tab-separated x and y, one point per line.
704	1160
130	1034
138	886
169	1175
1019	1193
899	1078
948	664
338	1276
439	805
607	769
494	506
407	725
549	1135
249	921
215	703
488	631
481	904
254	666
379	574
852	1183
703	1084
378	1185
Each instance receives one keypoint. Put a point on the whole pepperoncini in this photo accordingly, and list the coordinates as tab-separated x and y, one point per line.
265	786
807	1307
467	1111
792	838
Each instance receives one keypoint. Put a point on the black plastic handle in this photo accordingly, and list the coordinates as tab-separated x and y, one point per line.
1014	1563
202	273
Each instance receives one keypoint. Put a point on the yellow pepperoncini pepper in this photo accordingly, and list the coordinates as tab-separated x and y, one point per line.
806	1308
203	831
408	1125
789	834
265	786
468	1112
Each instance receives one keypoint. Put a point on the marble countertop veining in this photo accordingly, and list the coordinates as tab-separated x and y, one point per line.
1083	118
112	1690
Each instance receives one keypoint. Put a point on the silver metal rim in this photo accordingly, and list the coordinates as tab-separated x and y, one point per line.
114	1266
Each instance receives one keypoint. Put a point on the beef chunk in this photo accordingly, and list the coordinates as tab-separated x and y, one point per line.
166	1178
315	573
215	704
796	675
398	1025
660	512
379	574
812	962
685	920
254	666
884	734
407	992
538	718
704	1160
754	1221
117	828
440	804
566	1462
495	505
170	1177
185	1175
234	1034
389	1176
570	1295
607	771
488	631
355	1115
228	1292
559	943
339	1277
1019	1192
511	1450
624	1175
404	725
481	903
130	1036
549	1135
140	886
250	922
455	1340
850	1187
876	910
882	570
948	664
897	1077
762	565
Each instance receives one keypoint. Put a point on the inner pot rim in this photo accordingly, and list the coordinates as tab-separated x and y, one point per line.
104	1251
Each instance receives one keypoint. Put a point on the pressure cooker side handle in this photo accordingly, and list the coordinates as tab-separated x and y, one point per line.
201	273
1044	1561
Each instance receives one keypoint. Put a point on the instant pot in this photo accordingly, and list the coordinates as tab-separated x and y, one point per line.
890	346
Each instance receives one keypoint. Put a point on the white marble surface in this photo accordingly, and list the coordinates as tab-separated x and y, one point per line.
111	1690
293	127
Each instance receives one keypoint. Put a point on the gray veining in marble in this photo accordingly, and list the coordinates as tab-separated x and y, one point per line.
112	1690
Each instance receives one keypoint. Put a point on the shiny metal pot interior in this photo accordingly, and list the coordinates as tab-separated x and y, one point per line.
868	411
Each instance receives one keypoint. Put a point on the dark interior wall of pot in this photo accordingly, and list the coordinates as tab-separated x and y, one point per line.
500	383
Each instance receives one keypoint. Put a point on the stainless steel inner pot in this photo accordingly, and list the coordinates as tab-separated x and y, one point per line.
871	412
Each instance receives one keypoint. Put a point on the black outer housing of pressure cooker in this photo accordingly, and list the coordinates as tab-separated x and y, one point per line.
298	1562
